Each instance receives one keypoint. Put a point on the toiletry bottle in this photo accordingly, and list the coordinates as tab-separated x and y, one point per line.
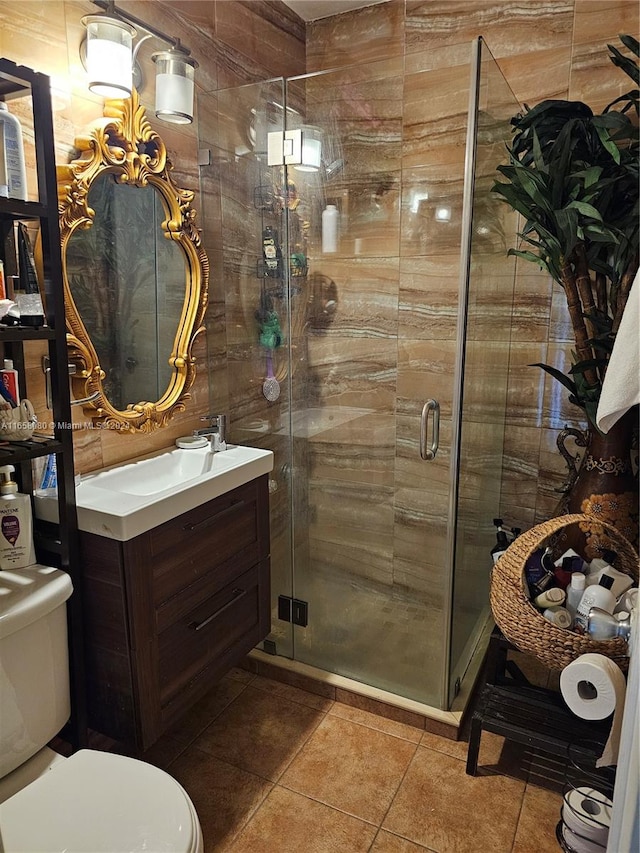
16	524
272	252
14	180
9	379
547	578
502	542
552	597
330	217
598	595
559	616
628	601
575	591
28	299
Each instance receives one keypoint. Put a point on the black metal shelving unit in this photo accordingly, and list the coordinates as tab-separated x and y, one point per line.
55	544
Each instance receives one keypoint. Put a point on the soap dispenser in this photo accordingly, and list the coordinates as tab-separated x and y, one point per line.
16	524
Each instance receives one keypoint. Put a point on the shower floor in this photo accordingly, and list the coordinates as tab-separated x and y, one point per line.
380	636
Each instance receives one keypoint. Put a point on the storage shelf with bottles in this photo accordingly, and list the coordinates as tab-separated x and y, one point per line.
28	97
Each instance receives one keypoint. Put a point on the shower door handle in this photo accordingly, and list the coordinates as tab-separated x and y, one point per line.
429	453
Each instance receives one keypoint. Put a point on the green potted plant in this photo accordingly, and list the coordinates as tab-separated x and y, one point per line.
573	176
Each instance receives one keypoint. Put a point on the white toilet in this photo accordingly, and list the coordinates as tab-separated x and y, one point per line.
92	802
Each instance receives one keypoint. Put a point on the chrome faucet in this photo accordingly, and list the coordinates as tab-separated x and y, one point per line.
216	432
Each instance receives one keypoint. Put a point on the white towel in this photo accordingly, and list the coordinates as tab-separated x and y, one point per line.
621	386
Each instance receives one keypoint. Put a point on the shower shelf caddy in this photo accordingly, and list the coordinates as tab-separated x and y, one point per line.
55	545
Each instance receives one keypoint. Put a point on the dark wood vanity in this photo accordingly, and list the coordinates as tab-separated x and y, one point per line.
169	612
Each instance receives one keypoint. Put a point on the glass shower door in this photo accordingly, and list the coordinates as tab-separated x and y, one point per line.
244	208
486	308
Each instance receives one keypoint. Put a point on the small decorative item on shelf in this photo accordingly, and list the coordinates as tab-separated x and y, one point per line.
17	423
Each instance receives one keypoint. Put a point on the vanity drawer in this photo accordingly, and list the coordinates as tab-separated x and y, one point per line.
226	536
213	630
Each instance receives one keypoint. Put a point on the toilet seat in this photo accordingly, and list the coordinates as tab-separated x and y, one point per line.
103	803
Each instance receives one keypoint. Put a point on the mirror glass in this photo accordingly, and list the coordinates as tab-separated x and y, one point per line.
127	281
135	273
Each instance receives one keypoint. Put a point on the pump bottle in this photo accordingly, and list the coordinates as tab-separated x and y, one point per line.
16	524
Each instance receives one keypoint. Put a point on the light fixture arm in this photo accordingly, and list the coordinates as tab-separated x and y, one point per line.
110	8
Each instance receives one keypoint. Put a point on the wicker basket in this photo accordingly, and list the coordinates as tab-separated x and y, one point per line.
524	625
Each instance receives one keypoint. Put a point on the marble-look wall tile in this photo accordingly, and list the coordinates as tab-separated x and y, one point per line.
366	294
538	76
509	26
419	540
526	384
428	297
594	79
435	111
532	303
425	370
432	209
358	450
520	469
363	35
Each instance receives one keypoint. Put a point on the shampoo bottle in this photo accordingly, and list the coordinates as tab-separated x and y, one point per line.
575	591
16	524
13	176
330	218
596	595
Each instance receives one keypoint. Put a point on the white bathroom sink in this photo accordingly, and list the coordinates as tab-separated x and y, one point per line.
126	500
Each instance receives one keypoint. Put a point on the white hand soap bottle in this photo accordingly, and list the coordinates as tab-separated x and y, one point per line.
16	524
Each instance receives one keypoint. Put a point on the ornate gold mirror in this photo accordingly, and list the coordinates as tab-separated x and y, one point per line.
135	274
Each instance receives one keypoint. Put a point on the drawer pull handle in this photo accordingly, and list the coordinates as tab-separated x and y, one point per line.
235	596
199	525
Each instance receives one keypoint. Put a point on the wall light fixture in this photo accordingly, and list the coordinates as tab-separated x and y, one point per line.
111	55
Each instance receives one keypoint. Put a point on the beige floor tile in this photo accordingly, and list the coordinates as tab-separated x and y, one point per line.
496	754
375	721
387	843
289	691
441	807
289	822
260	732
540	813
224	796
196	720
351	767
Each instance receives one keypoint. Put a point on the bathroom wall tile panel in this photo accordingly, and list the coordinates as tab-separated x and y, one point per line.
480	457
191	22
351	531
490	305
435	111
539	75
360	451
526	384
355	372
422	575
556	408
509	27
426	192
259	31
560	329
486	380
428	297
367	295
363	35
532	303
420	530
425	370
35	31
594	79
520	466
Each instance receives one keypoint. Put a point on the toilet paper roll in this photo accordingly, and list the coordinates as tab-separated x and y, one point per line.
593	687
587	812
581	845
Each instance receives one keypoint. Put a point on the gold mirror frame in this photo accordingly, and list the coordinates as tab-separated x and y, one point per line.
124	144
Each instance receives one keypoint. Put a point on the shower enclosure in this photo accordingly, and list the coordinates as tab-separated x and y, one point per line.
381	523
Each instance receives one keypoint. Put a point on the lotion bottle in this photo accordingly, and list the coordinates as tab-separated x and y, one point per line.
16	524
13	175
575	591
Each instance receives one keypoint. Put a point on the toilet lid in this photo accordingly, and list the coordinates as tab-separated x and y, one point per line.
103	803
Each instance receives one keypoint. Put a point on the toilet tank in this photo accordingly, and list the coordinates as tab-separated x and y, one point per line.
34	661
